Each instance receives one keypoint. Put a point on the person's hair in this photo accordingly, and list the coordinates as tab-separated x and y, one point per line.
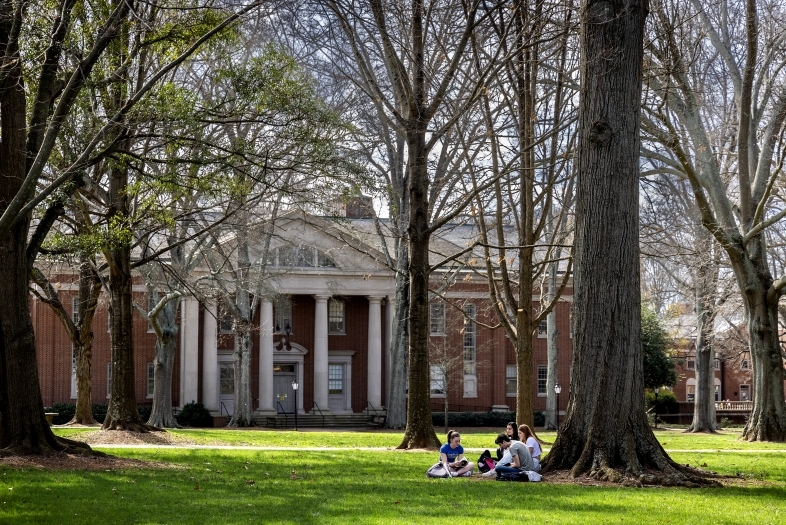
452	434
524	429
512	425
501	438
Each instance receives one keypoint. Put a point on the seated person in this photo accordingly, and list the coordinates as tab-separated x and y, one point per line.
522	459
452	455
529	438
512	433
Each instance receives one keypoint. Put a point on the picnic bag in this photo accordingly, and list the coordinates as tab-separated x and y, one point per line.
485	462
512	476
438	470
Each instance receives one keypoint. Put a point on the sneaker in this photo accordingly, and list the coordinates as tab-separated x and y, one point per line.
489	474
467	474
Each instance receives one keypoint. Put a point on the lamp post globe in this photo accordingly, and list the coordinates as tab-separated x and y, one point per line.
295	387
557	390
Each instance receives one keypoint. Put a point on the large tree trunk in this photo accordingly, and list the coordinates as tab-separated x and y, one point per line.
243	415
706	287
122	412
552	354
162	415
767	420
606	434
89	291
419	432
23	426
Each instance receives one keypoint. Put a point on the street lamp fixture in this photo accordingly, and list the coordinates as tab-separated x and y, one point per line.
557	390
294	387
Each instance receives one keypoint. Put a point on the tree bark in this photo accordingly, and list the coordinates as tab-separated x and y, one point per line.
122	412
162	415
23	426
397	403
243	414
419	432
605	434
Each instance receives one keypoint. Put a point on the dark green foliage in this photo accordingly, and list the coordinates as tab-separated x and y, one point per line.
65	412
658	366
482	419
195	415
667	402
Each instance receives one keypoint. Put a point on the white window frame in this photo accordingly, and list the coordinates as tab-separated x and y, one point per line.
333	380
436	381
470	339
690	363
437	319
73	372
542	370
283	314
510	378
151	374
745	364
75	309
337	317
108	379
716	364
746	388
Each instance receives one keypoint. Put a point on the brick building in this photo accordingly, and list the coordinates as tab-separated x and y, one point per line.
325	321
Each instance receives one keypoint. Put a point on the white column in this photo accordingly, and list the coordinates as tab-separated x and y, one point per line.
210	358
266	357
374	379
390	311
321	353
189	350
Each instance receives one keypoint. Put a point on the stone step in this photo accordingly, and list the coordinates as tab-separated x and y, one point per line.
316	421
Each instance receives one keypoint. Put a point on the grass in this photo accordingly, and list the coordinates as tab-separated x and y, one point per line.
376	486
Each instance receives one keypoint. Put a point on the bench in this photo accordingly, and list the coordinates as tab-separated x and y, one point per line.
50	416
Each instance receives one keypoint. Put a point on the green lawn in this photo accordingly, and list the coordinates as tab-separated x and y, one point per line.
376	486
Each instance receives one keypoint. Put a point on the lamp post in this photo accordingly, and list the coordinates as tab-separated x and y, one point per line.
294	387
557	390
657	389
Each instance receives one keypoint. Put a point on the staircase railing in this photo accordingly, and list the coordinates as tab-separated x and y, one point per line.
377	419
280	410
316	408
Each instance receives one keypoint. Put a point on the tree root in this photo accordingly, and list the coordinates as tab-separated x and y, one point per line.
130	426
60	446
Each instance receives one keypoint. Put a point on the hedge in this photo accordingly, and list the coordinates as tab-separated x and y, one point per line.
66	411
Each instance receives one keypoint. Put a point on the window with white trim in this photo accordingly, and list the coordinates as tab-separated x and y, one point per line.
745	393
716	364
151	374
437	319
282	308
335	379
470	339
108	379
336	323
690	395
437	380
75	309
745	364
510	380
73	372
691	364
543	374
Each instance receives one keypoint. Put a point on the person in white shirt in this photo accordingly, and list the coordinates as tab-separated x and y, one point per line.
529	438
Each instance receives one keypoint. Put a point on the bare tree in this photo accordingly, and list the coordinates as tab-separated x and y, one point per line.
606	434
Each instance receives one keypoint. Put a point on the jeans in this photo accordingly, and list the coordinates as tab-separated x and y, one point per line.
501	469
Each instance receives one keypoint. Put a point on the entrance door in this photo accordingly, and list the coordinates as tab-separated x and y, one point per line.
226	385
284	398
337	398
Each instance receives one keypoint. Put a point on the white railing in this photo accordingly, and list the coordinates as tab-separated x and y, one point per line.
734	405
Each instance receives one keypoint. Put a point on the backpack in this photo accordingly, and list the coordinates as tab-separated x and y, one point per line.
438	470
512	476
485	462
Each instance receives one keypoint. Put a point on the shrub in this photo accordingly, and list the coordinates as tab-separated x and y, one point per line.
66	412
195	415
667	402
482	419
